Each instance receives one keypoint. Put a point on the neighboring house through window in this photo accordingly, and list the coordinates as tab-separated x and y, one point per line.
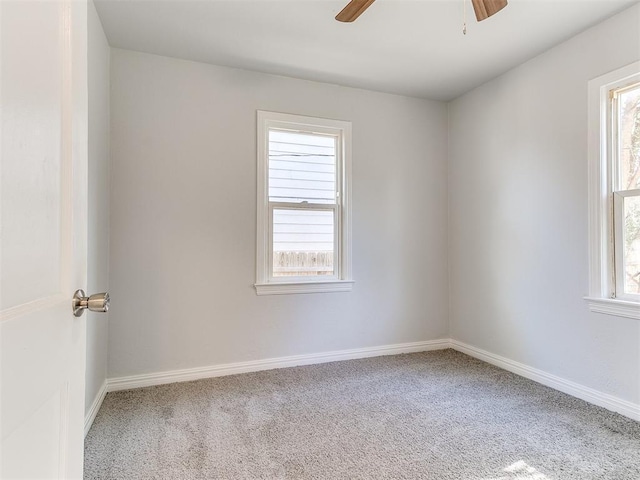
614	192
303	227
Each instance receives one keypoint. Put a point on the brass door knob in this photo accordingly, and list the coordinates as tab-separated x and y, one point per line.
98	302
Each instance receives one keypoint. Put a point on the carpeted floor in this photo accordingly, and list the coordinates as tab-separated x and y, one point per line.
437	415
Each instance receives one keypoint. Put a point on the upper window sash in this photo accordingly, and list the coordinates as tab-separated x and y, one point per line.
281	160
614	136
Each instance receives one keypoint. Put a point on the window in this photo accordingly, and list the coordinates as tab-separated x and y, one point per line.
304	236
614	192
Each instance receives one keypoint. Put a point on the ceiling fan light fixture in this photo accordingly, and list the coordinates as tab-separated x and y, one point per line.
486	8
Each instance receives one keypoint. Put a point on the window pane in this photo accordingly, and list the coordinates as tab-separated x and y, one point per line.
629	138
303	242
302	167
632	244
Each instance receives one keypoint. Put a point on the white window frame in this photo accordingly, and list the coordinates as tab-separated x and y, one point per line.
605	230
266	283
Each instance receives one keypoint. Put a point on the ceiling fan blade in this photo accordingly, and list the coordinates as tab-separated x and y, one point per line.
353	10
485	8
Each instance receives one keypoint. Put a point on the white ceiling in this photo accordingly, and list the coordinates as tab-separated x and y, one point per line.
410	47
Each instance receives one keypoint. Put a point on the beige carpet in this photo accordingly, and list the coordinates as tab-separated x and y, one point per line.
437	415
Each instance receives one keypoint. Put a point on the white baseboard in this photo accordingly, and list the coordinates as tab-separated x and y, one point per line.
628	409
95	406
160	378
590	395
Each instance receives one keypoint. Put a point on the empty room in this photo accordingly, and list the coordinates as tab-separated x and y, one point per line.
320	239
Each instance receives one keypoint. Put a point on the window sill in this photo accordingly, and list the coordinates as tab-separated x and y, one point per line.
609	306
304	287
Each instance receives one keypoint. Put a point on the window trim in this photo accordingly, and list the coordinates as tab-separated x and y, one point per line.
342	280
601	196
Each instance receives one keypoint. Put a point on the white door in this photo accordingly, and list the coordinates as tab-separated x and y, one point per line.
43	231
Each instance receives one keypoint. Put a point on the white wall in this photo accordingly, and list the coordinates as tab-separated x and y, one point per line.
183	219
518	216
98	224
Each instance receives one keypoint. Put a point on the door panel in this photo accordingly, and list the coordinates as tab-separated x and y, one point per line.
31	152
50	463
43	229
